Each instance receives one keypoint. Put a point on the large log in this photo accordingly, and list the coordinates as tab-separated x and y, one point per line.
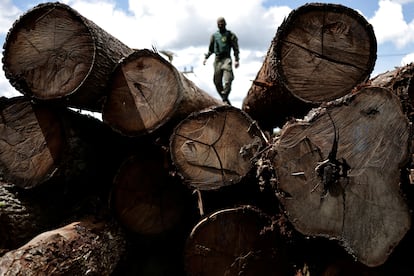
339	171
27	213
41	143
145	198
323	51
236	241
215	147
267	101
53	52
148	92
79	248
320	52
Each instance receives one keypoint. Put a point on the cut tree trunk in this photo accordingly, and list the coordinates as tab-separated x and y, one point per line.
80	248
236	241
147	92
27	213
215	147
267	102
323	51
53	52
145	198
339	171
320	52
40	143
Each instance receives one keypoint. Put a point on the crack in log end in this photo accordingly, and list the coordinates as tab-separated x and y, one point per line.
370	112
322	56
331	170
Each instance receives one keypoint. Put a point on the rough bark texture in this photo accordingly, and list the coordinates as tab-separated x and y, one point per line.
355	197
267	101
146	199
147	92
80	248
323	51
53	52
20	217
237	241
215	147
401	82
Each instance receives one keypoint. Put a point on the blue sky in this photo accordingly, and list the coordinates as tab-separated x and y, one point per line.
184	27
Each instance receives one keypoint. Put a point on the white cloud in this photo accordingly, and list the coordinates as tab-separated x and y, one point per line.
389	23
9	13
402	1
407	59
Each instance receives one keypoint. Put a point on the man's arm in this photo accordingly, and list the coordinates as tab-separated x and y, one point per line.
236	51
210	50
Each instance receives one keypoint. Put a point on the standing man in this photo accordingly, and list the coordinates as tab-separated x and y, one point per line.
221	43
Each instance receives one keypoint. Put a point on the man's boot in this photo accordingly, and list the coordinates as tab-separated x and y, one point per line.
225	97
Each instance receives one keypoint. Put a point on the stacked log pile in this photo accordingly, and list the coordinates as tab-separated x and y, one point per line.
174	182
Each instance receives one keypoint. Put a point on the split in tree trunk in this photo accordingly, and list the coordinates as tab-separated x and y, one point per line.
323	51
237	241
338	173
147	92
80	248
53	52
215	147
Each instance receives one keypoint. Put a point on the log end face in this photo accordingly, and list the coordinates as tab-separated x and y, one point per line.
144	94
361	204
214	148
30	154
42	57
333	48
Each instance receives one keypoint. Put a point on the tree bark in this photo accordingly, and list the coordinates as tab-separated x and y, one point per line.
323	51
147	92
215	147
236	241
401	82
80	248
355	197
145	198
21	217
53	52
41	143
267	101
